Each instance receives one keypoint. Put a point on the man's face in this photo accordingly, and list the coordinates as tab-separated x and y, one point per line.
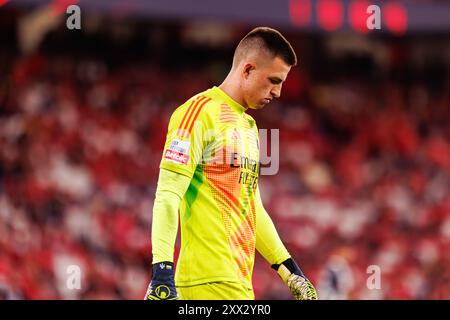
262	81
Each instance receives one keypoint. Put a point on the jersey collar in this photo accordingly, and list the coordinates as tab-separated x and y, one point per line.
229	101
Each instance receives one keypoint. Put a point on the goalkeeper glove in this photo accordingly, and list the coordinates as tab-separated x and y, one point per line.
300	287
162	285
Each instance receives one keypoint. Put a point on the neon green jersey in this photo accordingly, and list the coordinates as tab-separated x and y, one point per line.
212	140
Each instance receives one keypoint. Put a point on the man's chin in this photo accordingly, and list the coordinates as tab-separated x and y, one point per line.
257	107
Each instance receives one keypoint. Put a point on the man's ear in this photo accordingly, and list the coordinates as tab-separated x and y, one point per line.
248	67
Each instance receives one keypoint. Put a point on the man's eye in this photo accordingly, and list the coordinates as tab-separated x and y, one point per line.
274	81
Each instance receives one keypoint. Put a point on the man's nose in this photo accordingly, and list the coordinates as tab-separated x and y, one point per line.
276	91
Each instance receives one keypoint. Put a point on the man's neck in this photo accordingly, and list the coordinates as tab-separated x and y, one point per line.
228	86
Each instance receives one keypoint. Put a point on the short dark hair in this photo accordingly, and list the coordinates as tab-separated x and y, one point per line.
271	40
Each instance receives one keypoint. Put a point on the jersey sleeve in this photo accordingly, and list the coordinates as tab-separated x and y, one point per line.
184	144
268	242
170	191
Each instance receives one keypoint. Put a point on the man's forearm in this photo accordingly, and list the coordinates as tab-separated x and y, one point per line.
164	225
170	190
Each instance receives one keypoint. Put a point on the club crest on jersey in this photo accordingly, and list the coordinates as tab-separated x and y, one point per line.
236	135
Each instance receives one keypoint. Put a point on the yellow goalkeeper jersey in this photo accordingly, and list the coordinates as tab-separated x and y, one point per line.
211	139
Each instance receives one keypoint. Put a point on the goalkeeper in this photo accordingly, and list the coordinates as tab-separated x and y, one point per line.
209	176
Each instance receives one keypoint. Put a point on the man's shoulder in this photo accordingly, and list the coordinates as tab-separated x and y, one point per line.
201	106
203	102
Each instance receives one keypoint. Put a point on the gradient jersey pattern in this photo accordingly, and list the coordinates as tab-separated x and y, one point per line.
211	139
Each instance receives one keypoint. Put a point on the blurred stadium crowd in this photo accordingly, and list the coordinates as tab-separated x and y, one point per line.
364	178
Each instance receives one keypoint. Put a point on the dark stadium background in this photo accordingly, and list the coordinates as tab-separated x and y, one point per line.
364	120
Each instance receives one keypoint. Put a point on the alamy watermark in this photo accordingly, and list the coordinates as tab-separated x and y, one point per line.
233	148
274	159
74	20
373	281
73	280
374	20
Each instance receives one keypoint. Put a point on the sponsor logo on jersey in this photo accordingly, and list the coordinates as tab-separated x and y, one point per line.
176	157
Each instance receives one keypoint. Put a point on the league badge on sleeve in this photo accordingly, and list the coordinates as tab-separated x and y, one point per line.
178	151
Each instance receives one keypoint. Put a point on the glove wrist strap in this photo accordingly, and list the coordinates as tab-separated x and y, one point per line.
290	266
163	270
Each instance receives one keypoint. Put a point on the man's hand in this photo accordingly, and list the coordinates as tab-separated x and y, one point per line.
162	286
300	287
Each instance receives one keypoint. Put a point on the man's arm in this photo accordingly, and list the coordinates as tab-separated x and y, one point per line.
183	151
269	244
170	190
